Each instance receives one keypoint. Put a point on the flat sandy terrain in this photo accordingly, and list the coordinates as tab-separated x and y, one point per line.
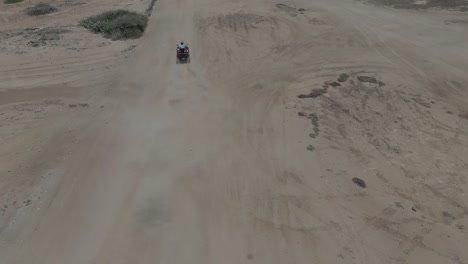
254	152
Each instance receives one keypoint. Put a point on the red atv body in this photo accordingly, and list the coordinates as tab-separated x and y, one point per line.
183	55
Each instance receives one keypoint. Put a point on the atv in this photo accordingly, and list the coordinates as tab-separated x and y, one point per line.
183	54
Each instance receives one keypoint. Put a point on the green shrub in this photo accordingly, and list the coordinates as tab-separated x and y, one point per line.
343	77
40	9
310	148
12	1
118	24
367	79
359	182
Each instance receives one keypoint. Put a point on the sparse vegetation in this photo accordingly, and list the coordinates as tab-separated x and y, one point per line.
301	10
367	79
463	114
448	215
40	9
46	37
315	123
460	5
118	24
314	93
359	182
35	43
12	1
313	135
421	102
343	77
314	118
310	148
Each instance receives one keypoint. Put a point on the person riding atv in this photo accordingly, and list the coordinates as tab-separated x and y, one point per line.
181	46
183	52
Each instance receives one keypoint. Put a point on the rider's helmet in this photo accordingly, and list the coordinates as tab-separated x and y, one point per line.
181	43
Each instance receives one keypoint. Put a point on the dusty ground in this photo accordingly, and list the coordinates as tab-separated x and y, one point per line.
258	151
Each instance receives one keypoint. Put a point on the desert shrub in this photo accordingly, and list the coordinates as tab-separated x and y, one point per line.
359	182
343	77
118	24
40	9
12	1
314	93
367	79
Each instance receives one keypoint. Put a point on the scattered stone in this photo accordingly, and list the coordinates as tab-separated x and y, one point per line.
414	209
250	256
301	114
72	105
398	204
359	182
27	203
461	227
84	104
310	148
335	84
301	9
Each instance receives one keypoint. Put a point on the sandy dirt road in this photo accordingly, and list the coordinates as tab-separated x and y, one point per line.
209	162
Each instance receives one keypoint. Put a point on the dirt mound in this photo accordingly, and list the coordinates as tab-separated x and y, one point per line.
256	36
